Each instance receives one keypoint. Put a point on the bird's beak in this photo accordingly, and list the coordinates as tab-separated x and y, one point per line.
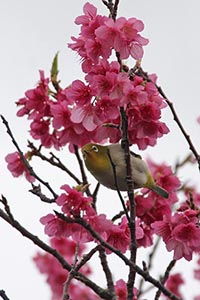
85	153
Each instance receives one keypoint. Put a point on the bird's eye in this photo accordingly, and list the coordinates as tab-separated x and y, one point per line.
95	148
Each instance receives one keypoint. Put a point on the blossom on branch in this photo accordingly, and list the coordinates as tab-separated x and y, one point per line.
180	233
174	283
17	167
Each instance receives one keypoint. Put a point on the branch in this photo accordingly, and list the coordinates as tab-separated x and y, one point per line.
108	273
116	185
84	177
148	265
25	161
165	277
3	295
104	294
70	276
36	190
128	262
177	120
53	160
130	190
139	71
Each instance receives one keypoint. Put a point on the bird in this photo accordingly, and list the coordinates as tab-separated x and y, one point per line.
100	159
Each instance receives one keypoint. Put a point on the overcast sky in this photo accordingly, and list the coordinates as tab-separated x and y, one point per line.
31	33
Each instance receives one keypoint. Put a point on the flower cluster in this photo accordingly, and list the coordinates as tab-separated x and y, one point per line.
180	233
78	114
151	207
75	205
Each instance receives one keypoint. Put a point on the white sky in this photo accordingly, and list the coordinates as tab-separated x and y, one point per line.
31	33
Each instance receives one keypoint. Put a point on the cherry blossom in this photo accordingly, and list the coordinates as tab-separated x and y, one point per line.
180	233
17	167
174	283
121	290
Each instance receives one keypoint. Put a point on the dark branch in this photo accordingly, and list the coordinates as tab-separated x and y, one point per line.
3	295
104	294
36	190
139	71
165	277
127	261
53	160
70	276
148	265
25	161
108	273
130	190
116	185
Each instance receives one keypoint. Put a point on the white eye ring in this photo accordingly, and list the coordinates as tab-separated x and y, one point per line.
95	148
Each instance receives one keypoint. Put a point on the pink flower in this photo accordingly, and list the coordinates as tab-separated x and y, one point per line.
73	202
90	12
151	207
164	176
121	290
99	35
61	115
106	109
144	234
55	226
180	234
86	116
36	101
17	167
79	93
118	237
122	35
99	223
174	283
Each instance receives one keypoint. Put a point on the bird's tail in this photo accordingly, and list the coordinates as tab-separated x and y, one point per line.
160	191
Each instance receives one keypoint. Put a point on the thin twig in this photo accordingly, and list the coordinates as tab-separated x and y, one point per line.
94	194
84	177
127	261
104	294
86	258
130	191
165	277
70	276
81	165
3	295
107	272
179	164
53	160
118	216
139	71
25	161
177	120
36	190
149	265
116	185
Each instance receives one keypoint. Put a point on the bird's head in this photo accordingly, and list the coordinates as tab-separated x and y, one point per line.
95	157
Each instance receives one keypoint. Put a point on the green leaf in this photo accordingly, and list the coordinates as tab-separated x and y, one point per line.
54	68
